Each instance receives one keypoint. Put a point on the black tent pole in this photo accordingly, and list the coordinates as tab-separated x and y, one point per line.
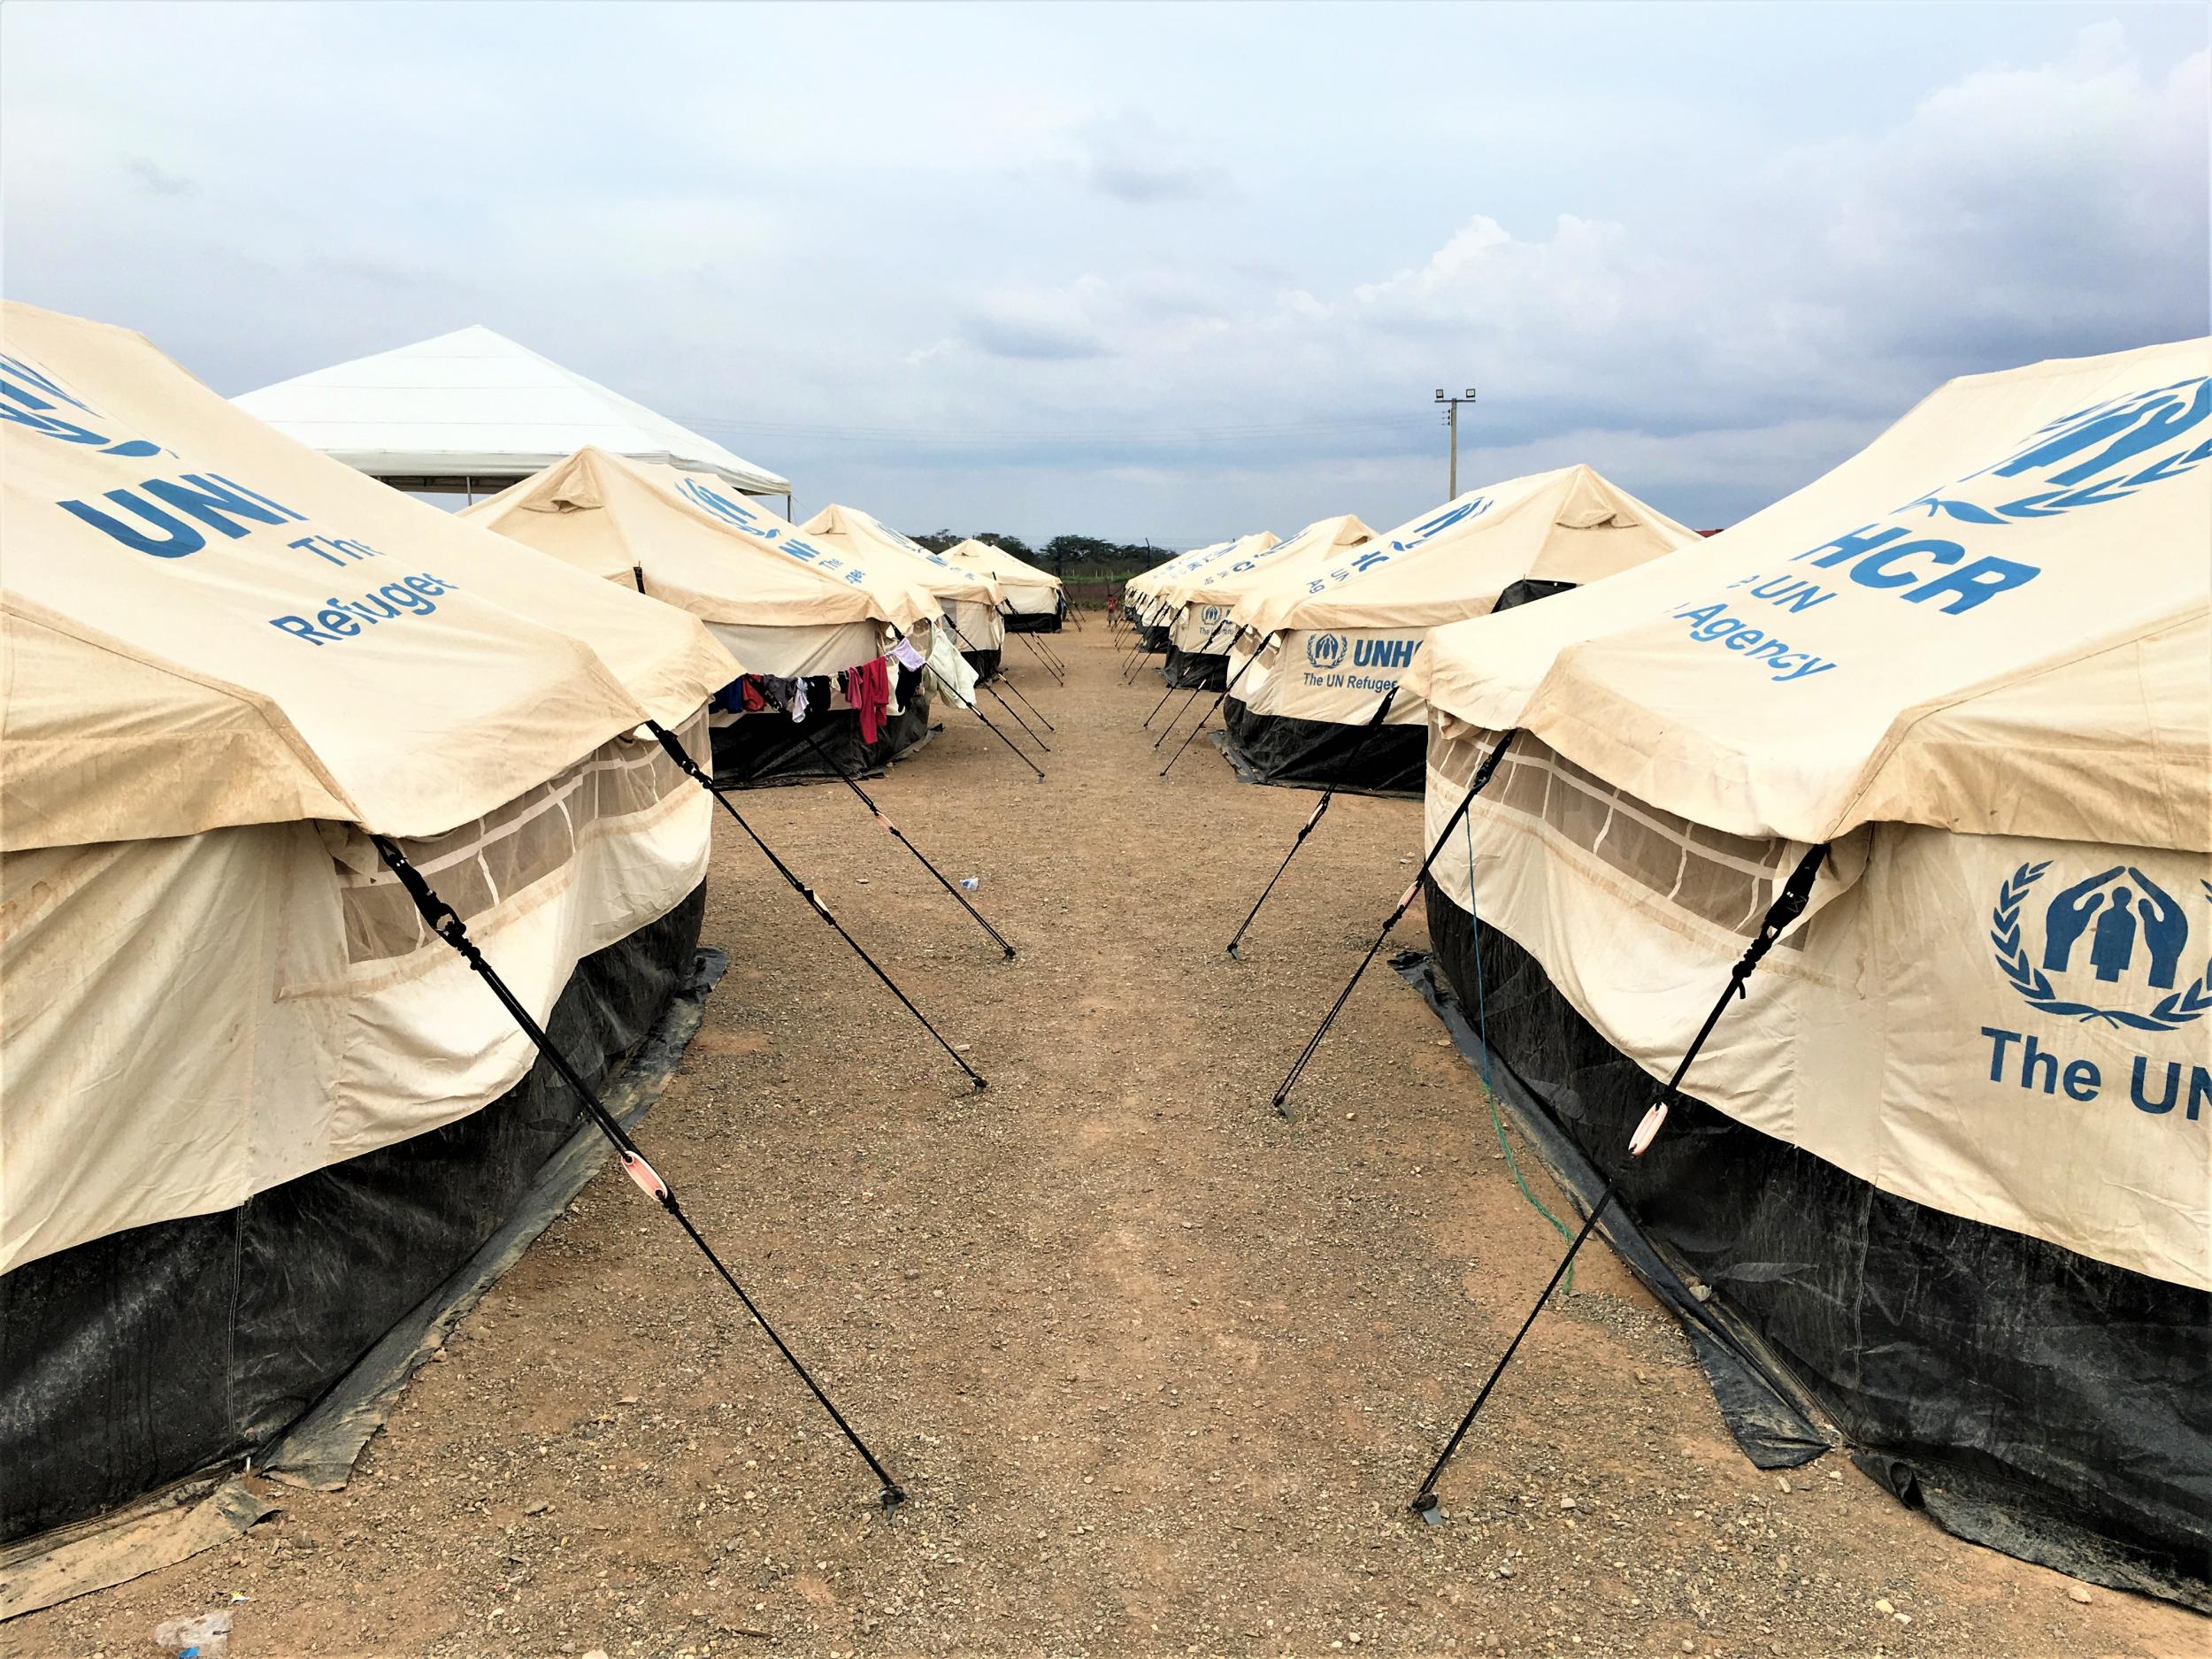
1025	702
1216	702
1787	908
446	923
1051	667
1482	777
899	835
1306	829
1198	691
1170	692
986	686
692	769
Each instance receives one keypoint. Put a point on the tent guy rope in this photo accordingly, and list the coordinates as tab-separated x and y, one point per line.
443	920
692	769
1305	1057
1787	907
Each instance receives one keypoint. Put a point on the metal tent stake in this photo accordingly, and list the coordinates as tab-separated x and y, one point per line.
443	920
691	769
1787	907
1297	1068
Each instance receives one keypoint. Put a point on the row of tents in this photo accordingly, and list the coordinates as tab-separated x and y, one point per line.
1940	1184
255	1110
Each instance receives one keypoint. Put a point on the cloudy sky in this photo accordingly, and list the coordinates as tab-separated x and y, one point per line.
1177	272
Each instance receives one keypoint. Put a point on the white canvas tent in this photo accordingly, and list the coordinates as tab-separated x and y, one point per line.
1954	1137
781	606
1034	596
1144	594
1197	604
1333	642
972	600
226	660
473	409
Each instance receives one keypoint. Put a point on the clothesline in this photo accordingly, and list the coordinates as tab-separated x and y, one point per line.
882	686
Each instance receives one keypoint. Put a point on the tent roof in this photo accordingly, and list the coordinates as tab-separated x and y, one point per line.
1992	620
997	562
1452	562
164	549
849	529
1224	579
721	557
474	401
1145	584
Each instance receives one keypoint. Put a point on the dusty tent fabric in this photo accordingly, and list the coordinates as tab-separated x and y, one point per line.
1146	593
1331	643
1198	605
473	403
148	1355
469	710
1992	704
969	600
1034	596
777	603
227	658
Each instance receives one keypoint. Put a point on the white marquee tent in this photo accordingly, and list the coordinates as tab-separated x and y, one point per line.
474	409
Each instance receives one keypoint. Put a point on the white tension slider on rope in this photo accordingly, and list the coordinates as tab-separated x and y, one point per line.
1647	1130
646	1176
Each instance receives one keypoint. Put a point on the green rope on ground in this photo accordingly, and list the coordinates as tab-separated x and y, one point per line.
1482	1025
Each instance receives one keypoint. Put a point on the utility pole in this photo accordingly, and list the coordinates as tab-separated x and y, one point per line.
1451	419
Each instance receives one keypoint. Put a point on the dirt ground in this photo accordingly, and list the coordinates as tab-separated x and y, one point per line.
1158	1369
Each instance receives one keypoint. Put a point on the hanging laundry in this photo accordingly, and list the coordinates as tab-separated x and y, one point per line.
755	700
818	690
909	657
910	684
779	690
868	687
798	701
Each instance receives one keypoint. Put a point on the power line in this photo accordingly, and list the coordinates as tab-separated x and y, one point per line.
1133	436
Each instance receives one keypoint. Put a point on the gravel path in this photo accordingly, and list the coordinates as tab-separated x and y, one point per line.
1158	1369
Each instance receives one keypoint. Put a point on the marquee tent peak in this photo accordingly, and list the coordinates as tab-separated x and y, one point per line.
473	403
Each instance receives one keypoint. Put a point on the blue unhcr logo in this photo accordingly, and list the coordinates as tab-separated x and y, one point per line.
1324	651
2117	926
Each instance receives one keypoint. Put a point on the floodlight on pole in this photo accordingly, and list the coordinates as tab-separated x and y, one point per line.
1451	419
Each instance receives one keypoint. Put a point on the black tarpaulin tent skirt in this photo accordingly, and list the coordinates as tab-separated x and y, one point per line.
2046	1404
132	1361
1316	754
985	664
1032	622
769	747
1206	669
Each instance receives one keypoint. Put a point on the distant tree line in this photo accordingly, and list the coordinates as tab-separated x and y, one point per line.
1072	557
1091	568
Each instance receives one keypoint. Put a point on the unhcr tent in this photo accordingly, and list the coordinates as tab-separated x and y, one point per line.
1034	598
1336	640
472	410
1144	594
972	600
781	606
1200	631
255	1113
1948	1167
